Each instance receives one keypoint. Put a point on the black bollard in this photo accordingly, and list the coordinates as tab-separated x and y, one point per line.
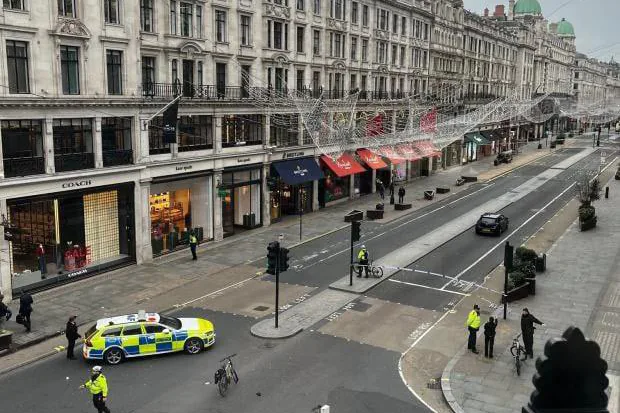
606	192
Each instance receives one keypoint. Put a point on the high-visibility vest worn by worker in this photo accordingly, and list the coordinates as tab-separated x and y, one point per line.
473	319
193	239
362	255
98	385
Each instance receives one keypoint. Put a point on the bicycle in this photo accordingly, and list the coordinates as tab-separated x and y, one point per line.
225	374
374	270
516	350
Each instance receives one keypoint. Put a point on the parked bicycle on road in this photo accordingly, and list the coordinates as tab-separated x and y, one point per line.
225	375
518	353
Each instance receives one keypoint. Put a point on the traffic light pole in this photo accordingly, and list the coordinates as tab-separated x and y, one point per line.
277	285
351	263
301	209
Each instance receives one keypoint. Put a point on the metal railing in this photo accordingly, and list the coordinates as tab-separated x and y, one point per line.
74	161
117	157
24	166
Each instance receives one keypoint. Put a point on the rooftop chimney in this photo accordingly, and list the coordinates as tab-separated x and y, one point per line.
553	28
511	8
499	11
486	12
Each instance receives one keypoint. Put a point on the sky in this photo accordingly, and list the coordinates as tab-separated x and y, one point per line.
595	22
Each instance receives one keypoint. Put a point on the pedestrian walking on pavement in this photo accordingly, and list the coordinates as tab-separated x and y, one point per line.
98	387
401	195
473	325
193	243
25	309
489	336
527	331
71	332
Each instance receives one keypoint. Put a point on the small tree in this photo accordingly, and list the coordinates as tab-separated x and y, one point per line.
588	191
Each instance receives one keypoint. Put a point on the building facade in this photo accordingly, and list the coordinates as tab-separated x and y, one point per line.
590	80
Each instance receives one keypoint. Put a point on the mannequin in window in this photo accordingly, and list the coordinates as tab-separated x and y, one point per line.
40	251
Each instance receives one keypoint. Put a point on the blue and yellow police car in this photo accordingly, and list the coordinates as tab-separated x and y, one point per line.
143	334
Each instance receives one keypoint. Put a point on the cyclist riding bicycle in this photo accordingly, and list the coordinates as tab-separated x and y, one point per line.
362	258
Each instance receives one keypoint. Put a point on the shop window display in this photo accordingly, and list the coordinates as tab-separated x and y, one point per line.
241	200
335	188
171	220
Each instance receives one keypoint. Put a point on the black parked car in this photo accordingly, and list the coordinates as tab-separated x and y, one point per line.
489	223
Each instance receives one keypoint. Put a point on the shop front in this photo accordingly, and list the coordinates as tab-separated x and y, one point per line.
431	156
398	166
375	163
59	237
451	154
292	186
475	144
241	197
337	183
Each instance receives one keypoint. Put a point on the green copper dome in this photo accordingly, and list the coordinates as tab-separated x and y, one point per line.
527	7
565	29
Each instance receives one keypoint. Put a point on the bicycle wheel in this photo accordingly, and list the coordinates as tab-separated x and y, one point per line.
377	272
513	349
518	365
222	386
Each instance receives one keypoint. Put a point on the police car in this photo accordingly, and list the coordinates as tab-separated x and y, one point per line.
143	334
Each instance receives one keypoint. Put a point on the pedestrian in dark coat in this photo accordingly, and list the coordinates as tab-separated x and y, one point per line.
25	309
71	332
527	331
489	336
392	188
382	191
401	195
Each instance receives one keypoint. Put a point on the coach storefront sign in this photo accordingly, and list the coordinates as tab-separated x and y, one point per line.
77	184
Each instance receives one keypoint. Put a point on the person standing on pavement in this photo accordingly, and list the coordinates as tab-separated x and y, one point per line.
489	337
71	332
98	387
382	191
362	258
193	243
25	309
392	188
401	195
473	325
527	331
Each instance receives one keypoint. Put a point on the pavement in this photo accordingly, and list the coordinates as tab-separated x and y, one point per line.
581	287
175	279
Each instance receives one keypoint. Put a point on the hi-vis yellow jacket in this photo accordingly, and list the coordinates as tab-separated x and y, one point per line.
473	319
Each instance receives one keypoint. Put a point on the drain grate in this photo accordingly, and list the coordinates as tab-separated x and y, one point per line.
434	384
261	308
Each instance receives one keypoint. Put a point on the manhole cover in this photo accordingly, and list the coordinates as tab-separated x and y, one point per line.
434	384
261	308
361	307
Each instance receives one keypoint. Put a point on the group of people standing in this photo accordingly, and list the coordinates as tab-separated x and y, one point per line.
473	325
381	190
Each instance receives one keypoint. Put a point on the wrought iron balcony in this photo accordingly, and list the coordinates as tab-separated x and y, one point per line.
25	166
479	98
74	161
117	157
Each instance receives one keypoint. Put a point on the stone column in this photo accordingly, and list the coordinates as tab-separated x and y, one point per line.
5	260
136	137
141	155
48	146
142	211
97	143
315	192
1	164
266	196
218	229
217	135
267	130
373	187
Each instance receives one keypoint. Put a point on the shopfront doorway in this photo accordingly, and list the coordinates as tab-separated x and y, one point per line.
292	187
241	198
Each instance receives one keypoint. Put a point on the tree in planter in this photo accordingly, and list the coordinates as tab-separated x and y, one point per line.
516	279
588	191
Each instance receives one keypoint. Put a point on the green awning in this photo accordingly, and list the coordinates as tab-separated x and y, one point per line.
476	138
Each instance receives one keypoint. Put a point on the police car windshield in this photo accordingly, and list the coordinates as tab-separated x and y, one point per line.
171	322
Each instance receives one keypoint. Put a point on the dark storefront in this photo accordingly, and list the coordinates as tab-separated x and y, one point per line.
292	186
338	174
241	195
69	235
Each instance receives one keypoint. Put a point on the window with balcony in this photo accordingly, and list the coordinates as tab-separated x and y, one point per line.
173	17
365	15
148	75
242	130
73	144
186	15
116	141
111	12
316	42
246	30
70	69
66	8
246	71
300	39
195	133
17	66
220	26
220	79
13	5
284	130
146	15
336	45
354	12
114	63
174	70
22	147
354	48
277	35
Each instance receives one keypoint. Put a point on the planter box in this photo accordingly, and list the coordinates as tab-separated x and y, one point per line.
460	181
354	215
517	293
586	225
532	285
470	178
429	195
6	339
402	207
374	214
442	190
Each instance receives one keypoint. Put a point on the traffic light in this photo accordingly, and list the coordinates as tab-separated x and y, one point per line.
272	257
283	259
355	230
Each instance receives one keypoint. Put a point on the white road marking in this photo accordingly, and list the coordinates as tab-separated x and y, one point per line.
309	257
425	286
502	242
212	293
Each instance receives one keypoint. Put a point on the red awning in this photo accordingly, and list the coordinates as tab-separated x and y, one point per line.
371	159
426	149
343	166
388	152
408	152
